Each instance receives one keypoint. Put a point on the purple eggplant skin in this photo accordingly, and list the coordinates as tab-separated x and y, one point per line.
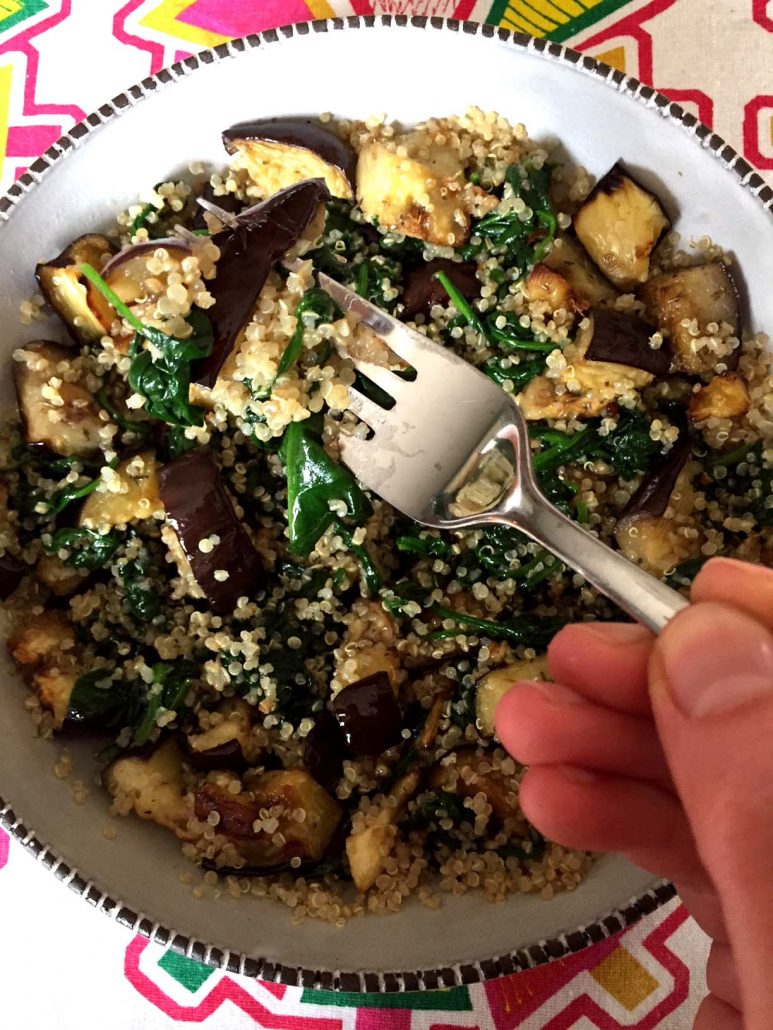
248	250
224	756
226	202
651	499
323	752
300	134
422	290
369	715
135	250
625	339
12	572
197	507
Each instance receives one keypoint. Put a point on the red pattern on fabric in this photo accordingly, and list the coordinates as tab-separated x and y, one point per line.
631	25
702	101
226	989
380	1019
121	33
3	848
242	19
760	14
751	130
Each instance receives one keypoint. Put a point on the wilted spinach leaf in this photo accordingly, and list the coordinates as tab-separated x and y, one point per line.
88	549
313	480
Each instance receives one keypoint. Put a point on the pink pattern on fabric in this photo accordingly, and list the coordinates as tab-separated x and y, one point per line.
3	848
23	43
380	1019
120	32
241	19
28	140
226	989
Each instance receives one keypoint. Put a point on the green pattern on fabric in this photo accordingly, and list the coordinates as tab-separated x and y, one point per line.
12	12
457	999
539	15
189	974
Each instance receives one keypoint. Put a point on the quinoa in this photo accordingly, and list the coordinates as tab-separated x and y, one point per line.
226	721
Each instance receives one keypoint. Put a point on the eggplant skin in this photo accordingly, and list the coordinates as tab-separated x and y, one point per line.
248	250
652	496
71	427
422	290
278	152
701	293
625	340
12	572
620	224
198	509
82	308
369	715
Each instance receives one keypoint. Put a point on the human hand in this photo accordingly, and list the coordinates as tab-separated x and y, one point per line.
662	750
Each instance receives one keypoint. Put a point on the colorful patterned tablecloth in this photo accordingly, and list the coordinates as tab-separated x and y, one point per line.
64	965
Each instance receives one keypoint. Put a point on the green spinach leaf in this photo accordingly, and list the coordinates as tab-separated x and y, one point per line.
88	549
313	481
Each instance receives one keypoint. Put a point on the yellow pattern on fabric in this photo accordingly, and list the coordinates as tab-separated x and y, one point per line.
614	57
320	8
625	979
8	8
6	76
166	18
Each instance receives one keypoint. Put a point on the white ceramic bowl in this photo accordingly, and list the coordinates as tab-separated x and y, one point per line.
410	68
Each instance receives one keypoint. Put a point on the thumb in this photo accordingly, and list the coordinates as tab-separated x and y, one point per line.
711	684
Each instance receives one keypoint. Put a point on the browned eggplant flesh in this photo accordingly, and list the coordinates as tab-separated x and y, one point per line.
81	307
279	152
620	225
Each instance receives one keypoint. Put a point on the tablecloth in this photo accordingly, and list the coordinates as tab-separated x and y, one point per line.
64	965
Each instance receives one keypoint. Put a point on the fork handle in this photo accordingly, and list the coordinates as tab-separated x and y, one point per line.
644	598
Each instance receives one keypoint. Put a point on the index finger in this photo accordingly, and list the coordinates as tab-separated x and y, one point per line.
604	661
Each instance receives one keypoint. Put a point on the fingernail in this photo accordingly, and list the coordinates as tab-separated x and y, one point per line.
617	634
578	775
716	659
558	693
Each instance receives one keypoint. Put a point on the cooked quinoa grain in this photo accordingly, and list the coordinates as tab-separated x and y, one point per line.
292	677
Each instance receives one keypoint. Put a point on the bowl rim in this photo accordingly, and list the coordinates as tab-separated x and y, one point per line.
561	945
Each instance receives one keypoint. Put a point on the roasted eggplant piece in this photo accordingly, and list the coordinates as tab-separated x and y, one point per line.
495	684
133	495
279	152
154	788
222	558
285	790
620	224
422	290
546	286
249	248
422	195
369	715
227	202
60	415
726	396
127	272
44	647
324	750
625	340
227	745
586	387
471	774
701	295
588	286
78	303
656	527
367	847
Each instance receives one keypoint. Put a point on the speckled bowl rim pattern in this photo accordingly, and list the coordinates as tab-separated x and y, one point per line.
543	951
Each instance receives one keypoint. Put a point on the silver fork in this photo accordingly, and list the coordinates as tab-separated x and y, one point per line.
454	453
